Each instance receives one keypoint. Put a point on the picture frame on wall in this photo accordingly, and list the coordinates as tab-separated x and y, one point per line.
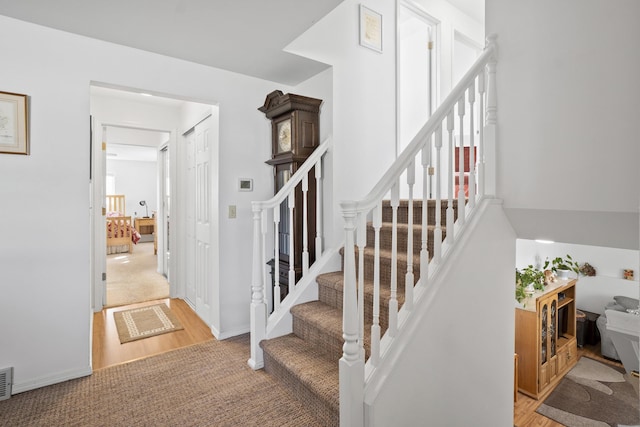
370	29
14	131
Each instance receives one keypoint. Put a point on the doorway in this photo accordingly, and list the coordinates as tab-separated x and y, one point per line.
133	168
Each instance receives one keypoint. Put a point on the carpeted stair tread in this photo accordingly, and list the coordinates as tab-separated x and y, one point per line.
300	360
321	325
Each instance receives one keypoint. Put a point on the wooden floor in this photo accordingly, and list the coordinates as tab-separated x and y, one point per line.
107	350
524	410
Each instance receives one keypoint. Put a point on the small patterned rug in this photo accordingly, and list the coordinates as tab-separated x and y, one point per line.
594	394
145	322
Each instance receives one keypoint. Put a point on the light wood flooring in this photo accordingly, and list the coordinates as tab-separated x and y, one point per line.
107	350
524	410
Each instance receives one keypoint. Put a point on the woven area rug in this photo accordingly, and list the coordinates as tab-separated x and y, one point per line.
145	322
594	394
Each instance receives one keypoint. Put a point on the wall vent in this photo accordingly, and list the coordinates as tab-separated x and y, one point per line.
6	378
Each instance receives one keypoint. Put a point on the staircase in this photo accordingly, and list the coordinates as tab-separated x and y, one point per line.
306	361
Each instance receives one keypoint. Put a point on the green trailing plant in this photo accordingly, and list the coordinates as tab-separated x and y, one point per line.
528	276
560	263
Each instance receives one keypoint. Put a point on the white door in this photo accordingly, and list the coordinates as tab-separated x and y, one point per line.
98	218
190	231
202	187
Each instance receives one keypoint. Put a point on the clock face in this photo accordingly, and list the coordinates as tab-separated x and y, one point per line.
284	136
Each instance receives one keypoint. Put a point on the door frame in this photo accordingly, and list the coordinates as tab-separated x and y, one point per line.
98	209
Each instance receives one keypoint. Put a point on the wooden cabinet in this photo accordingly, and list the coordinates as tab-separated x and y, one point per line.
546	337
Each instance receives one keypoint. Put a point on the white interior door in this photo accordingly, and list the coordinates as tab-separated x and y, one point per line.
98	211
190	226
203	153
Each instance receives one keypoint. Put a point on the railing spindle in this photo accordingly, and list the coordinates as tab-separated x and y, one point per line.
472	155
393	301
276	258
437	233
409	279
424	249
318	175
291	200
305	225
361	236
450	173
481	190
461	195
375	326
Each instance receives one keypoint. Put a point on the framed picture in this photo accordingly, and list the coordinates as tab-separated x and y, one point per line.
245	184
14	132
370	29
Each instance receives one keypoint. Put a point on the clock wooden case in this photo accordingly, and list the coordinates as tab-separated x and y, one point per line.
295	133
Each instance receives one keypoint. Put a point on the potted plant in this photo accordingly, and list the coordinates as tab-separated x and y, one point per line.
563	266
528	280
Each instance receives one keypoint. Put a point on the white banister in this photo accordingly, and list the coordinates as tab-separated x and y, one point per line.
437	233
409	279
375	327
362	242
480	184
472	147
461	195
285	199
393	301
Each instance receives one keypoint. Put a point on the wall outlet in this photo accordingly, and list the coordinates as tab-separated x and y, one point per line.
232	211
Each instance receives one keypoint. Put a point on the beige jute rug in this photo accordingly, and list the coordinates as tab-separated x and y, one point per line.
145	322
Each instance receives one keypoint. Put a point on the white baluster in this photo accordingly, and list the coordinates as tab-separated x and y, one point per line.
472	156
351	365
437	233
361	236
263	255
318	172
393	301
481	190
305	225
291	200
450	173
461	195
276	258
375	326
424	247
491	120
409	279
258	316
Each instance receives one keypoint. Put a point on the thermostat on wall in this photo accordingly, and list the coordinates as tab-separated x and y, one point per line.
245	184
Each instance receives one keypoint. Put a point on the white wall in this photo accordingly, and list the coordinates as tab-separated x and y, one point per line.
459	360
363	99
137	181
50	304
592	293
567	82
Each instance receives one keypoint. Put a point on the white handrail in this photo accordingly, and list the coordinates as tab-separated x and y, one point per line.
399	165
295	179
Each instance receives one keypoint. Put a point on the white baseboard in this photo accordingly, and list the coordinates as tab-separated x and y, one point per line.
19	387
228	334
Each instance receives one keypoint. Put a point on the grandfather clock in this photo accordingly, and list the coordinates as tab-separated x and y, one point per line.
295	134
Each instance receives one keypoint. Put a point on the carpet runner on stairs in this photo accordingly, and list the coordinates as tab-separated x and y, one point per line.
306	361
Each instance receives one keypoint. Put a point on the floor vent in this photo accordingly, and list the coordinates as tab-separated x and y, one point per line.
6	377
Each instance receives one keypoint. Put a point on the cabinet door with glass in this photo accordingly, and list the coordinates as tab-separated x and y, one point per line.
548	322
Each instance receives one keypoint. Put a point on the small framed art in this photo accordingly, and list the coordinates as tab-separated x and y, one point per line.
14	131
370	29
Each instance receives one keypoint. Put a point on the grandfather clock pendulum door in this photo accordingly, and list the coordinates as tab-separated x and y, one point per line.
295	134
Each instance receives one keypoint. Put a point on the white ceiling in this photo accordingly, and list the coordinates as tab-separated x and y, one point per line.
245	36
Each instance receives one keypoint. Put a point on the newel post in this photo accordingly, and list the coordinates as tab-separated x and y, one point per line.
491	119
258	306
351	364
